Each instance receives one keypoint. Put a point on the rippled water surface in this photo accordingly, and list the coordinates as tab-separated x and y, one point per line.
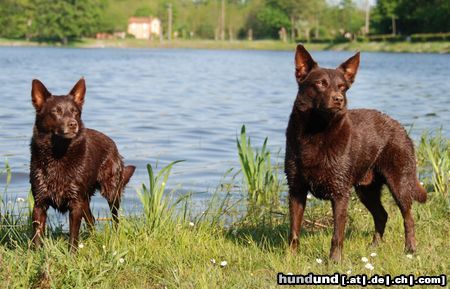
190	104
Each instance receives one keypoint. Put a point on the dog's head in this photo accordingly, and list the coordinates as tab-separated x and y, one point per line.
322	89
59	115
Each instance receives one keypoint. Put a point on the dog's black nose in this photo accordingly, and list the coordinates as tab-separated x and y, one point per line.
338	98
73	124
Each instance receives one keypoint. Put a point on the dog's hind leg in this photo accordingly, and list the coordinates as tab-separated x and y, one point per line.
88	216
370	196
398	166
401	181
114	206
75	216
115	194
401	189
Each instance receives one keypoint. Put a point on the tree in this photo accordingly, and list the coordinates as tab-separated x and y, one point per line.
143	11
14	18
62	20
419	16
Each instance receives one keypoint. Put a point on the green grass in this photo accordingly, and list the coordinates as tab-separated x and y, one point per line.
419	47
180	251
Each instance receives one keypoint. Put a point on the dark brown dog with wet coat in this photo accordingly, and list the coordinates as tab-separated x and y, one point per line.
69	162
330	149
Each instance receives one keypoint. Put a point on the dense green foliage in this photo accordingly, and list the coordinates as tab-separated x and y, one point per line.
63	20
411	16
59	20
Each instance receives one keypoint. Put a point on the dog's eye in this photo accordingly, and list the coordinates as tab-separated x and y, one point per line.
74	111
342	87
321	83
57	110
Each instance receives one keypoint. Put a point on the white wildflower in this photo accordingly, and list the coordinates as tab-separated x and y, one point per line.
319	261
373	254
223	264
114	253
121	260
213	261
191	224
409	256
369	266
349	272
364	259
81	245
103	247
20	200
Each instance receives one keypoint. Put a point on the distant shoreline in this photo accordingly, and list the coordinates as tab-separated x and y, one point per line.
416	47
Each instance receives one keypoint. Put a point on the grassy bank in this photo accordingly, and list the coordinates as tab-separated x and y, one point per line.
421	47
171	246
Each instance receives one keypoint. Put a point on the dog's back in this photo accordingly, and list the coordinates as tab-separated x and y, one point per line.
380	143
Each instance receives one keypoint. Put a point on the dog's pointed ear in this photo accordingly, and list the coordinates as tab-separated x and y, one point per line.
304	63
350	68
78	92
39	94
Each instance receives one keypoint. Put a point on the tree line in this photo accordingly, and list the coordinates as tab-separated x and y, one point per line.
65	20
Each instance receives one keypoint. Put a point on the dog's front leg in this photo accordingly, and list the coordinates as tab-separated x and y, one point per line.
76	214
39	219
340	205
297	203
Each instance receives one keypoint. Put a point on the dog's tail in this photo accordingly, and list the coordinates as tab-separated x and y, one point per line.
420	194
127	173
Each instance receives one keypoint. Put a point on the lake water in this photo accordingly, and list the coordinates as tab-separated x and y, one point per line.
165	105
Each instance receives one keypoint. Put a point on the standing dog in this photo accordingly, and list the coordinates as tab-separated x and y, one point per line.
330	149
69	162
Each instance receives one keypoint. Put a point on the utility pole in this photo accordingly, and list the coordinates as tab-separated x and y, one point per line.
366	28
394	27
169	25
292	28
222	21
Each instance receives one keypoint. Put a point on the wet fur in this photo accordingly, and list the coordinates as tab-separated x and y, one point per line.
330	149
66	172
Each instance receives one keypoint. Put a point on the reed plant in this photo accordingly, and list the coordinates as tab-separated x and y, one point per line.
6	171
158	205
262	181
433	155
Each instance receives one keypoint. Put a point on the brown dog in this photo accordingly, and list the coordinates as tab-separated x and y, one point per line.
69	162
330	149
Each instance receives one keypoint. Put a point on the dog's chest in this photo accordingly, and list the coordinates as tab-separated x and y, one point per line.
61	182
324	166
